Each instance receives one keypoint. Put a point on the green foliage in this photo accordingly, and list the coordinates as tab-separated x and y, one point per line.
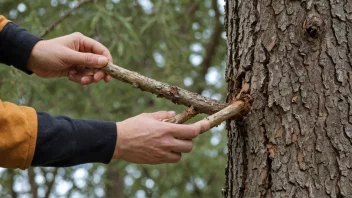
164	40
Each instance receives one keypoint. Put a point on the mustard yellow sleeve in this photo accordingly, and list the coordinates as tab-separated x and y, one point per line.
3	22
18	135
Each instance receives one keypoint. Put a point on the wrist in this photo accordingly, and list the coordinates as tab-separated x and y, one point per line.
16	46
117	151
32	60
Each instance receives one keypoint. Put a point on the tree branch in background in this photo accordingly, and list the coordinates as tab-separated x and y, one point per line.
63	17
177	95
11	173
114	185
31	180
51	183
192	8
210	49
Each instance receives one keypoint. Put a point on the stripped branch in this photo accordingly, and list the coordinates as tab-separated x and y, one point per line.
182	117
63	17
177	95
236	108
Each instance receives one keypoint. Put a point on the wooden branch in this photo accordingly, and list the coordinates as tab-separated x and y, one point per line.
182	117
177	95
236	108
64	16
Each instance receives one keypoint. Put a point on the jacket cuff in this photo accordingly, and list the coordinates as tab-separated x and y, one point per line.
32	125
18	135
16	45
63	141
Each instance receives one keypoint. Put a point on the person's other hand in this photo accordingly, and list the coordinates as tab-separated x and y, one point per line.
144	139
74	56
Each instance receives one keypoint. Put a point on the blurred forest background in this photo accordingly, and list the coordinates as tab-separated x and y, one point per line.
180	42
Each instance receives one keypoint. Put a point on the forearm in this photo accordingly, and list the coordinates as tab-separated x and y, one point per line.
63	141
38	139
16	44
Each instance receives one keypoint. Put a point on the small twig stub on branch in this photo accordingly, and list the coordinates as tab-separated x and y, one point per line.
235	110
182	117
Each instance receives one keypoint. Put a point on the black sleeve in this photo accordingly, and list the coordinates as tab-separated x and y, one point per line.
16	45
63	141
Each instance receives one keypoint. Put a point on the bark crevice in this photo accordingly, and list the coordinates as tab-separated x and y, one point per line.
243	133
298	139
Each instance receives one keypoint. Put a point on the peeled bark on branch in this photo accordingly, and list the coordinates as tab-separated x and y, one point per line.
176	94
230	111
235	109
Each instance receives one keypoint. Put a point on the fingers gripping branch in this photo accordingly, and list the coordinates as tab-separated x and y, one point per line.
218	111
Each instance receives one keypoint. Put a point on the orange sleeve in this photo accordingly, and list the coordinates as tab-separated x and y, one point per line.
18	135
3	22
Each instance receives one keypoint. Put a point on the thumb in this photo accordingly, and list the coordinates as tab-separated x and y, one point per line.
160	115
89	60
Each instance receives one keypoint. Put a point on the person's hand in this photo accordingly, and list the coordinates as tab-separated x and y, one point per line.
144	139
74	56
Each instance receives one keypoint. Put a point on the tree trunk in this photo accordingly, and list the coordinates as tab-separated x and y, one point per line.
296	57
114	184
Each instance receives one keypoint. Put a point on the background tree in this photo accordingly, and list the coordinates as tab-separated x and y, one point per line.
296	58
178	42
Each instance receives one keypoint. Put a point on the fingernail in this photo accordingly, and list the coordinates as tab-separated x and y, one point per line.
102	61
84	80
172	113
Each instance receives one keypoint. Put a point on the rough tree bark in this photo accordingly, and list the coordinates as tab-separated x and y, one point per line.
296	57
